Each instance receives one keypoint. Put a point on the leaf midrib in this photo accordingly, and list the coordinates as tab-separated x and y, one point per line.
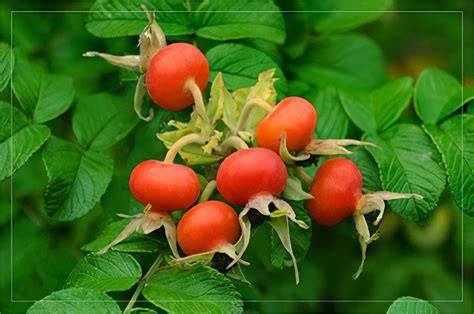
404	175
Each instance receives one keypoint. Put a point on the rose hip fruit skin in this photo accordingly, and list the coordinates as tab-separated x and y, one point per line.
206	226
167	187
337	187
169	71
250	172
295	117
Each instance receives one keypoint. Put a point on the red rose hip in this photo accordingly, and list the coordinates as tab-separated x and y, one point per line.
251	172
293	116
167	187
206	227
170	72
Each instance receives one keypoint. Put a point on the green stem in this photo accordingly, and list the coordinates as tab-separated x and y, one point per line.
179	144
233	142
198	101
256	102
208	190
302	175
151	271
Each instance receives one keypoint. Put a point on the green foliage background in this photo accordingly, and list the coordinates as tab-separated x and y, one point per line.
420	260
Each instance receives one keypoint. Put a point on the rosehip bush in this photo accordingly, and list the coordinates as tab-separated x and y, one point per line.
230	156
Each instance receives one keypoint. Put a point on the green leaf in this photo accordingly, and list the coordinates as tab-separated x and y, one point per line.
18	139
300	239
409	163
5	65
379	109
332	120
462	97
219	99
327	22
367	166
264	89
458	157
108	272
221	20
131	20
136	243
44	96
101	120
221	104
241	65
470	109
390	100
349	61
76	300
76	180
192	289
410	305
438	94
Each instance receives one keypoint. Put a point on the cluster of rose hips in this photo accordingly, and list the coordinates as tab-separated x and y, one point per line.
253	178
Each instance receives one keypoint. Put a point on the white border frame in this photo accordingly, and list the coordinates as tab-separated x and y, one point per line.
244	301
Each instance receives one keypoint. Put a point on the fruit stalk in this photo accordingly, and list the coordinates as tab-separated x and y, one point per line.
256	102
178	145
151	271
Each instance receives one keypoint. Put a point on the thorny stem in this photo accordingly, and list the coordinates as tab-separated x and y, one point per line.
301	174
233	142
153	268
208	190
198	101
179	144
256	102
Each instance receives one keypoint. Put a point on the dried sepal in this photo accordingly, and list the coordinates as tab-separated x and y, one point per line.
237	274
293	188
206	257
140	91
286	156
130	62
333	147
364	240
280	225
277	218
151	40
127	231
369	203
243	243
231	251
146	223
375	201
